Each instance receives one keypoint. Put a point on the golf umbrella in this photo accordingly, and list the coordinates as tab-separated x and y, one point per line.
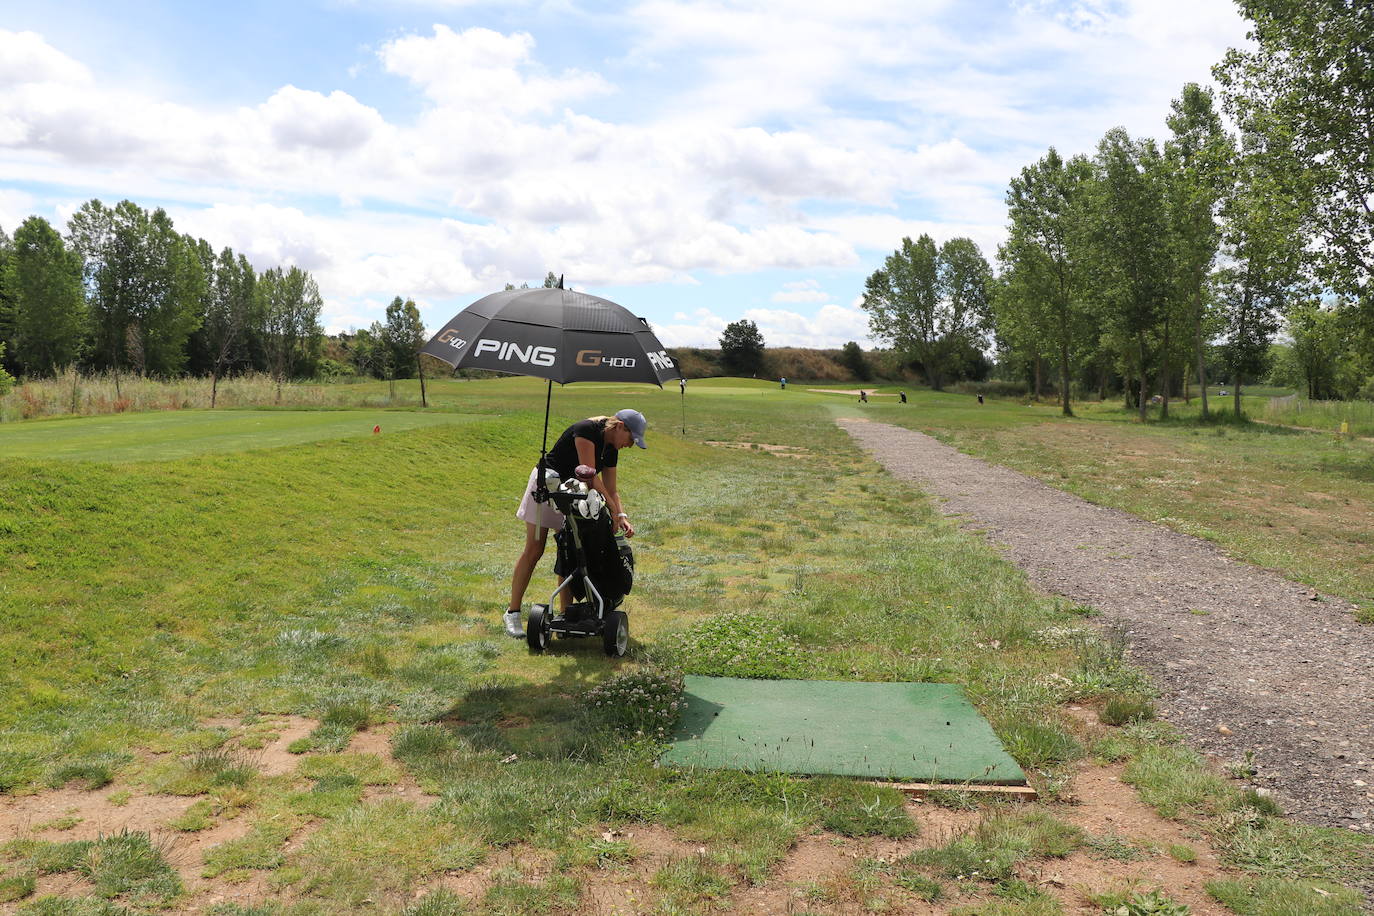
556	334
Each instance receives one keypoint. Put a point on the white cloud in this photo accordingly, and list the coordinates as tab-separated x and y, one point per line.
480	70
831	327
801	291
15	207
25	58
300	118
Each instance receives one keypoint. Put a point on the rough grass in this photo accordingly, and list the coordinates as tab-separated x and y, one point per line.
1326	416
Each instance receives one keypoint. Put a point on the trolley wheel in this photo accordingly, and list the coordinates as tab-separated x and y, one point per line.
615	633
537	630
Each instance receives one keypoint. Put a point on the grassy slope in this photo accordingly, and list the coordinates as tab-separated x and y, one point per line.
166	435
361	579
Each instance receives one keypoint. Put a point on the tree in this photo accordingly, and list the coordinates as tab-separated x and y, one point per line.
931	303
551	281
741	348
91	233
229	310
6	380
6	299
1042	301
1129	246
1309	87
1263	268
853	359
403	335
290	305
43	278
1198	159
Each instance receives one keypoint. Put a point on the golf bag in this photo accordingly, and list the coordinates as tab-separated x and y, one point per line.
610	561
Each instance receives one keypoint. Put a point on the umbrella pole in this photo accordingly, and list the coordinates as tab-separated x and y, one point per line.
683	389
541	489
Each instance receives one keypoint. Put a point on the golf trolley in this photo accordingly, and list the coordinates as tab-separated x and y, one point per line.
595	565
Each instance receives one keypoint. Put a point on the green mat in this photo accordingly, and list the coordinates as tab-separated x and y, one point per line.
906	732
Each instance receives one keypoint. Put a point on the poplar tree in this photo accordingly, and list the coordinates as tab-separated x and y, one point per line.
1262	271
1043	298
43	278
228	312
404	335
1309	85
1198	159
1130	252
290	303
6	300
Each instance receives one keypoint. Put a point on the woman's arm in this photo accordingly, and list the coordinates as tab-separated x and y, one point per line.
605	485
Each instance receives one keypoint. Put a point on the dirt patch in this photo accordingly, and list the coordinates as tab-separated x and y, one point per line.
1229	644
1105	807
275	759
788	451
533	864
21	816
853	392
376	740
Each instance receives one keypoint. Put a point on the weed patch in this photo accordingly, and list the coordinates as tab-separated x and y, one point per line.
738	644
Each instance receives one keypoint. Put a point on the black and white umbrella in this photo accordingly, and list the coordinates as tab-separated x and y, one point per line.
556	334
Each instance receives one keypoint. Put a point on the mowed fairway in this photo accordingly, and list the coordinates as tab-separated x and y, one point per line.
169	435
285	665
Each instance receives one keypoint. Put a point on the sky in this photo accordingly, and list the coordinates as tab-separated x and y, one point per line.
698	161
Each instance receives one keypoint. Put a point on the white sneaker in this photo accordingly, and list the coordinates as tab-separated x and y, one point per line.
513	627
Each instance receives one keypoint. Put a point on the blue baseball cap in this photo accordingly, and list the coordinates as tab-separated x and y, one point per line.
634	421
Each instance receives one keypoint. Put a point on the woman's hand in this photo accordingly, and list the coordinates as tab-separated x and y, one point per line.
622	523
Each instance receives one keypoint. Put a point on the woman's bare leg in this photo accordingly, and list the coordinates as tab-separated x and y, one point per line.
535	538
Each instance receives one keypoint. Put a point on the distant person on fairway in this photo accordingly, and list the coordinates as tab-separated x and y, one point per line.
863	396
902	395
595	442
783	382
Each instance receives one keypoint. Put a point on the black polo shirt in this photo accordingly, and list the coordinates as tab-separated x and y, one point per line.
562	458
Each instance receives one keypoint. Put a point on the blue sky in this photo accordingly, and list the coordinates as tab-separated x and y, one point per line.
696	161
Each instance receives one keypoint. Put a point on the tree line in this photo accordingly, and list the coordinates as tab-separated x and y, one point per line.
1147	268
123	292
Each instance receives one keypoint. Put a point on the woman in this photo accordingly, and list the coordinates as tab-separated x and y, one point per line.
595	442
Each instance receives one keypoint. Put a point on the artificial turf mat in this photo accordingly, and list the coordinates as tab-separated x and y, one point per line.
907	732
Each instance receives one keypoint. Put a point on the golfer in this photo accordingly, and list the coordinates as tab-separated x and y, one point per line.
595	442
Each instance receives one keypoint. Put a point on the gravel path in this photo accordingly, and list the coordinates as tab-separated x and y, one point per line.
1245	659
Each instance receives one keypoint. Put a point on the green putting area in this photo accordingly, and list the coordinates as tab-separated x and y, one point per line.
168	435
906	732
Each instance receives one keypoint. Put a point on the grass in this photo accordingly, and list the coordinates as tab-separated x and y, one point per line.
171	435
358	581
1285	897
1324	415
1298	502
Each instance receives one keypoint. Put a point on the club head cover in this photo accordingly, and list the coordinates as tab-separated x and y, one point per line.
585	473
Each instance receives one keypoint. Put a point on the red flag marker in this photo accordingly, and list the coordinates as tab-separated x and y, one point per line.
376	429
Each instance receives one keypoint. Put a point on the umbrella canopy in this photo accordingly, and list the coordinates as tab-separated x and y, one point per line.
556	334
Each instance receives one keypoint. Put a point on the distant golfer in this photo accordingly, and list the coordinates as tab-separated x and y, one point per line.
595	442
902	395
863	396
783	382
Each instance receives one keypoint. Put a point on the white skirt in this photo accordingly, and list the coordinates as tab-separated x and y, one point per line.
542	514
